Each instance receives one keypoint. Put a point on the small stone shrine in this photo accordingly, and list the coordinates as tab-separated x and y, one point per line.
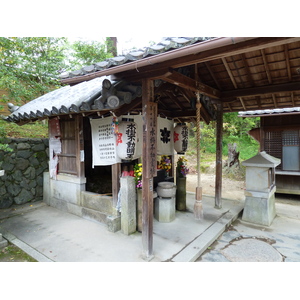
260	189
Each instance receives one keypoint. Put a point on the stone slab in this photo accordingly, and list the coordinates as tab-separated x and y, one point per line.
26	248
197	247
251	250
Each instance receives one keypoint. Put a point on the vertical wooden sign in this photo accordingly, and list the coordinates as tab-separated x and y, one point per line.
149	138
149	165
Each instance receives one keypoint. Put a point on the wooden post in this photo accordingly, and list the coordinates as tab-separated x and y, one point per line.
149	165
218	185
79	141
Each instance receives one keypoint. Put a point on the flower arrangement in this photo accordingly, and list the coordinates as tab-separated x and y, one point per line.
182	169
165	163
138	169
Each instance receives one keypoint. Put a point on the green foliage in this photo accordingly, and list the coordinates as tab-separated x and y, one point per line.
234	131
29	66
88	53
38	129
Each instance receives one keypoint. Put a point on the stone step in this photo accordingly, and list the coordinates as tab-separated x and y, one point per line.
97	202
113	222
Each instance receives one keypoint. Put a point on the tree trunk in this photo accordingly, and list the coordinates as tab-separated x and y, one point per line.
233	156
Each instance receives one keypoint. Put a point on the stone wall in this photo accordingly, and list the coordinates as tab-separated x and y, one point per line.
24	167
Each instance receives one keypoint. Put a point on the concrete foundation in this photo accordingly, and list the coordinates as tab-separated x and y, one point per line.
68	194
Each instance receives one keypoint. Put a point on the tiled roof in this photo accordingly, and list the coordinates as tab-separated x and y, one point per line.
268	112
165	45
90	95
99	93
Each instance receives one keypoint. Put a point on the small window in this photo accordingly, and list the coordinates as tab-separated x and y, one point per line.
290	150
67	158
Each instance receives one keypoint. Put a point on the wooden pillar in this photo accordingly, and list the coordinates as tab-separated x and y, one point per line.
218	185
149	113
79	141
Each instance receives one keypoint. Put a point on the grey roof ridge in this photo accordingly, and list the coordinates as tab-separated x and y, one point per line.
165	45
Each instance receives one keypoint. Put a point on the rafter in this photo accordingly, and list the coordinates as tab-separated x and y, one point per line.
266	65
186	94
287	60
250	79
212	75
173	98
233	82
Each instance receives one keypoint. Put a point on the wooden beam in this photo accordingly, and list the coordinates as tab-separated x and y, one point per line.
149	114
261	90
79	141
191	84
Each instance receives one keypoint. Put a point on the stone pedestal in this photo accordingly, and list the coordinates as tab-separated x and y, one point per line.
164	209
259	208
128	205
139	195
181	193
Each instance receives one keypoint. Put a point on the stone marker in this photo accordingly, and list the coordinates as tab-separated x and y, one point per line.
128	205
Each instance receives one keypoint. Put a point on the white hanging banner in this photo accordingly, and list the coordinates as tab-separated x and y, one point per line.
103	142
54	146
139	132
165	133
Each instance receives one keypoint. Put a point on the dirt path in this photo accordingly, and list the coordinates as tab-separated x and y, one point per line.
231	189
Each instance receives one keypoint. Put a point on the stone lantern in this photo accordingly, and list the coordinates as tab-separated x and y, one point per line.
260	189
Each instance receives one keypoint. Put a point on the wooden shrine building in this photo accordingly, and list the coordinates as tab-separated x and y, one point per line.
227	74
279	136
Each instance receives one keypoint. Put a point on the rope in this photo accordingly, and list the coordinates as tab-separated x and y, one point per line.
198	106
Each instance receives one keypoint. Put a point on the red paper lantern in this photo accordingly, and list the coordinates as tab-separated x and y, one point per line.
181	138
